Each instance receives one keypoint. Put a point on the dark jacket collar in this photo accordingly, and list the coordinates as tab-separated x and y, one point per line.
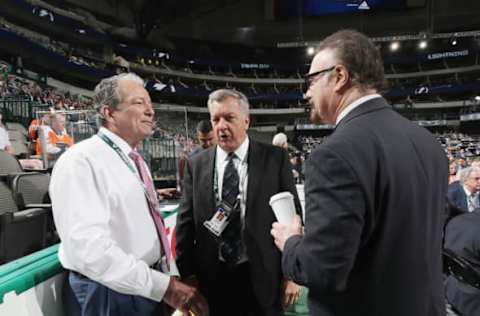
366	107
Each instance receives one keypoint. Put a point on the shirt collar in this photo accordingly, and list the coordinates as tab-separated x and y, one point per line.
354	105
467	192
120	142
241	151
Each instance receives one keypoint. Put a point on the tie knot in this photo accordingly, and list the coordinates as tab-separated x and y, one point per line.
134	155
231	156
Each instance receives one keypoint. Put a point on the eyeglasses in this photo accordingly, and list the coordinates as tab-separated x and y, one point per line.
309	79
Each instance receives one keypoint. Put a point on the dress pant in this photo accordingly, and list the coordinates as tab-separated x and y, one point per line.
229	292
85	297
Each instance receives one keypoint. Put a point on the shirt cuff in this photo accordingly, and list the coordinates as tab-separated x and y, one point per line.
160	285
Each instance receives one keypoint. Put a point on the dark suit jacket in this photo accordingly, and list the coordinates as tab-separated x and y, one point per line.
269	172
462	236
457	197
375	196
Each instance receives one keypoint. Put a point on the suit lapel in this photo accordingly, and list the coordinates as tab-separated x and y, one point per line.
255	164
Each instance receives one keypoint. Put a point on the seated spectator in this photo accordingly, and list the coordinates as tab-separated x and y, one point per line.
56	137
462	237
464	194
34	127
4	139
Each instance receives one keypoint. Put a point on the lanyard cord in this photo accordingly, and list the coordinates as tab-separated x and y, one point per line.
117	149
125	159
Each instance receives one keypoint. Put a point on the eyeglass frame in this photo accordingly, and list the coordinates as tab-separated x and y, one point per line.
308	79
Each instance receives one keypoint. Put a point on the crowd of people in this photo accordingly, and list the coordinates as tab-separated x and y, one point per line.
15	86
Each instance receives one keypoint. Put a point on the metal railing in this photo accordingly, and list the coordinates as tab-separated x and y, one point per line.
162	157
20	109
161	154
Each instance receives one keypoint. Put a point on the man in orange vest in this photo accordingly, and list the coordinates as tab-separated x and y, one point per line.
56	136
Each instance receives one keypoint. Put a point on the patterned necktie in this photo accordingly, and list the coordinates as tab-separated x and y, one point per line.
231	245
231	180
152	203
472	202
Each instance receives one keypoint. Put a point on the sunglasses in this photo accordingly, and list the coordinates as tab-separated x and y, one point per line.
309	79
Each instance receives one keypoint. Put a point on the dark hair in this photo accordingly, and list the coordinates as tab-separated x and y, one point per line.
359	55
204	126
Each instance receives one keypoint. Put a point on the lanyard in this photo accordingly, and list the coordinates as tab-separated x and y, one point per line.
118	151
125	159
242	175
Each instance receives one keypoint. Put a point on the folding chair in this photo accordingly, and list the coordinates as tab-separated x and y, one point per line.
9	164
21	231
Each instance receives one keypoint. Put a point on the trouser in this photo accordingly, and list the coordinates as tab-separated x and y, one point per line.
229	292
85	297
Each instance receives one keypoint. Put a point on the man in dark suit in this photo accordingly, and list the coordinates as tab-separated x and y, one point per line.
462	237
375	194
464	194
244	278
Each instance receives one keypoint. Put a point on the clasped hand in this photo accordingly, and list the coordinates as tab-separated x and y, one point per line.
185	298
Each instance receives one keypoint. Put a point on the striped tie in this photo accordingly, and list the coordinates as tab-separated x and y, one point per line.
152	203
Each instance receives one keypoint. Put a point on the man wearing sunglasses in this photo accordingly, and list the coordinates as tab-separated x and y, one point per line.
375	191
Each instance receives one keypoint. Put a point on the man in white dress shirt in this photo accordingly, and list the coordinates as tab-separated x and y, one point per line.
105	215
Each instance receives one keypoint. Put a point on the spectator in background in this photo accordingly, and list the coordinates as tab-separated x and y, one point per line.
280	140
7	146
56	137
35	125
475	162
464	194
4	139
205	136
374	201
452	172
461	163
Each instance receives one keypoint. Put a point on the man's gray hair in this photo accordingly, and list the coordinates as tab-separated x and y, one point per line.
107	93
279	139
465	173
221	94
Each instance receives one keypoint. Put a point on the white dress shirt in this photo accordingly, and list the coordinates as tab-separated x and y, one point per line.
103	219
4	139
241	165
354	105
472	199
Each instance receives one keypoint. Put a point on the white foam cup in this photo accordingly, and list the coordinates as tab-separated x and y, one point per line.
283	207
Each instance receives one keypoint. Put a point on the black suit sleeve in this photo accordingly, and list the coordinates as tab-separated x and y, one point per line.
287	182
335	208
185	228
